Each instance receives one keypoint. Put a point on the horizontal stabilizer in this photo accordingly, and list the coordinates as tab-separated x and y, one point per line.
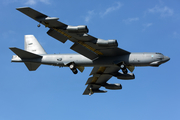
24	54
32	66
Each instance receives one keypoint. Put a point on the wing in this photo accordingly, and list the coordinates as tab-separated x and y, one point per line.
100	77
84	43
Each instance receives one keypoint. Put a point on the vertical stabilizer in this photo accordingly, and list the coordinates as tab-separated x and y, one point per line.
32	45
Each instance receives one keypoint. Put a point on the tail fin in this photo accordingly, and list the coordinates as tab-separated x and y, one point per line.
25	55
32	50
32	45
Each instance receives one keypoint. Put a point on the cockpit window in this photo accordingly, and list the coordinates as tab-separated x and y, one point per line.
159	53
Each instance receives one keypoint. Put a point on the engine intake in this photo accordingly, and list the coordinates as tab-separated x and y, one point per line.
106	43
77	29
113	86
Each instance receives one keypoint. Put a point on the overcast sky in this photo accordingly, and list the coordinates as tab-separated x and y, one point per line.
53	93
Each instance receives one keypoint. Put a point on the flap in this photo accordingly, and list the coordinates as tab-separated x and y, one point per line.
98	70
57	35
84	51
131	68
93	79
80	68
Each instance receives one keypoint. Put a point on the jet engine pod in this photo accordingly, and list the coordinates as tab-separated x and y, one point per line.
106	43
122	76
77	29
113	86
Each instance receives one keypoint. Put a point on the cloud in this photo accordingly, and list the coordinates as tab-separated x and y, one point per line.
6	2
89	16
147	25
163	11
111	9
93	13
34	2
45	1
26	2
7	34
31	2
129	20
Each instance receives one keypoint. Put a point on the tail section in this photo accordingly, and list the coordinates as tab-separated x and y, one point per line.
24	54
32	45
33	50
32	66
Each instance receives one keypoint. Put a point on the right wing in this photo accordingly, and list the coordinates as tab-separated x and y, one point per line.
85	44
100	77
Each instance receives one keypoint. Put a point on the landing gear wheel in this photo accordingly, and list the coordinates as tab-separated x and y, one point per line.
90	91
72	66
123	67
39	25
125	71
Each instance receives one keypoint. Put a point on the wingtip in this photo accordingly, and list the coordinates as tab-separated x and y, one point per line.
12	48
22	8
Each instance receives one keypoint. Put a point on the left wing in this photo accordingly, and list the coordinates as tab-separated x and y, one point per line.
84	43
100	77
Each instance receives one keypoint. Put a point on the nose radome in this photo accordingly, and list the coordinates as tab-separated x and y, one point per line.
166	58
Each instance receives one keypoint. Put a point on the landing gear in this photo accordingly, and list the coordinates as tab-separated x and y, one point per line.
75	71
90	91
73	68
123	67
39	25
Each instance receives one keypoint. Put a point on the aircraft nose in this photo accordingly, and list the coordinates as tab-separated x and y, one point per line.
166	58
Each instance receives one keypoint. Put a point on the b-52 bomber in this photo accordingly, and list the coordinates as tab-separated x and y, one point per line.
104	56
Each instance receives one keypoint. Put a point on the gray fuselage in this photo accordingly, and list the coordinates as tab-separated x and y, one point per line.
133	59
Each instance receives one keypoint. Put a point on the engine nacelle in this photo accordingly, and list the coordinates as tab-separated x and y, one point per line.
113	86
122	76
77	29
106	43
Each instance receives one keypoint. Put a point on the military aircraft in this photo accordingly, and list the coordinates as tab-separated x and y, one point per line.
104	55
